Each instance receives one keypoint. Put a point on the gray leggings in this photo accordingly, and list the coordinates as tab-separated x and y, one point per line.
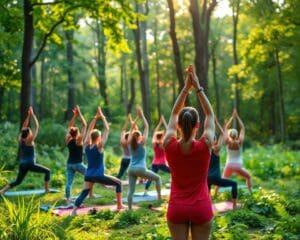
133	174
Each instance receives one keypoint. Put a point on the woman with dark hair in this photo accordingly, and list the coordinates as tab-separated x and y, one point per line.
234	142
94	144
159	158
74	141
124	144
214	174
27	160
189	207
137	166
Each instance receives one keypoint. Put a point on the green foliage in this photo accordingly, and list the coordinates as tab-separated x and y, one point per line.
127	218
24	221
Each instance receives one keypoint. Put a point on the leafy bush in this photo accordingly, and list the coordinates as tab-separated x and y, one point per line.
24	221
127	218
244	216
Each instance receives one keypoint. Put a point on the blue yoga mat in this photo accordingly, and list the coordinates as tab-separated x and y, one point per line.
29	192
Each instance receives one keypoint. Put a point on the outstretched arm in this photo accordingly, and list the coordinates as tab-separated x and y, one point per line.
133	128
209	122
27	119
179	104
71	124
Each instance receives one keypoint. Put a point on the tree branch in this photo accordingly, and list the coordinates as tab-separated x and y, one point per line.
47	35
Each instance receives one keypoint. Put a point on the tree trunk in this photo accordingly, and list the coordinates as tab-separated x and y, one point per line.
280	97
142	61
34	89
201	32
26	54
43	89
158	103
216	84
235	18
101	65
176	50
132	96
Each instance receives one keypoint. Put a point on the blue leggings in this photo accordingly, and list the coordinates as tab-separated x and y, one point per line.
155	168
23	170
107	180
223	182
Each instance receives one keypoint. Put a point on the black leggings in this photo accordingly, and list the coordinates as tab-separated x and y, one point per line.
223	182
99	179
124	165
25	167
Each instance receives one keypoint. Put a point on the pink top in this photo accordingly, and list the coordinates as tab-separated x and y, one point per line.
159	157
189	172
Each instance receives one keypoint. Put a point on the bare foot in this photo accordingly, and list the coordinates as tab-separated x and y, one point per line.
120	207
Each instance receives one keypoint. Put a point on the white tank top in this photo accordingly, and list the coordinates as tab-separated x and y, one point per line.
234	156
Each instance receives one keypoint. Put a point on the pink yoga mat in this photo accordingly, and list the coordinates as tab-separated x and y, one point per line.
85	210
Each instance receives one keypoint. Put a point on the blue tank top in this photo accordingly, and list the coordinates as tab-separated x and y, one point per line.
138	156
27	153
95	162
75	152
214	166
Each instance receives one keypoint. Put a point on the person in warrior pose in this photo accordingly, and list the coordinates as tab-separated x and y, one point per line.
94	148
214	174
137	166
159	158
74	141
27	160
189	207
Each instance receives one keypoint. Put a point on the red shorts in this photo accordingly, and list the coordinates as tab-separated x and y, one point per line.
199	213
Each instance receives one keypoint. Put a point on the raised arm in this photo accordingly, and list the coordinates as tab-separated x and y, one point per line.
209	122
227	127
36	124
123	141
27	119
145	125
71	124
242	128
133	128
164	122
91	127
106	130
179	104
83	124
155	130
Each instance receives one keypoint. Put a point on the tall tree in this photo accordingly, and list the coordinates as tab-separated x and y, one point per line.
142	57
235	7
176	50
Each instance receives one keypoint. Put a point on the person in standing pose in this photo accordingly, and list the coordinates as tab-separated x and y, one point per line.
189	207
27	161
94	149
74	141
214	174
137	166
234	142
159	158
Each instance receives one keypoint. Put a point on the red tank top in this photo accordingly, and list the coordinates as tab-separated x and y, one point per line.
159	157
189	172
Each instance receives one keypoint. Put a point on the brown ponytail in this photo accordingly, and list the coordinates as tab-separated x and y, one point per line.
187	120
134	140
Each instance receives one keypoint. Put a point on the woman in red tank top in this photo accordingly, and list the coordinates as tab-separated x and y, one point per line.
189	206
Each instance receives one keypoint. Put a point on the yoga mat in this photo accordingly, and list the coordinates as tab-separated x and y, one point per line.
86	210
29	192
47	207
164	192
151	196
